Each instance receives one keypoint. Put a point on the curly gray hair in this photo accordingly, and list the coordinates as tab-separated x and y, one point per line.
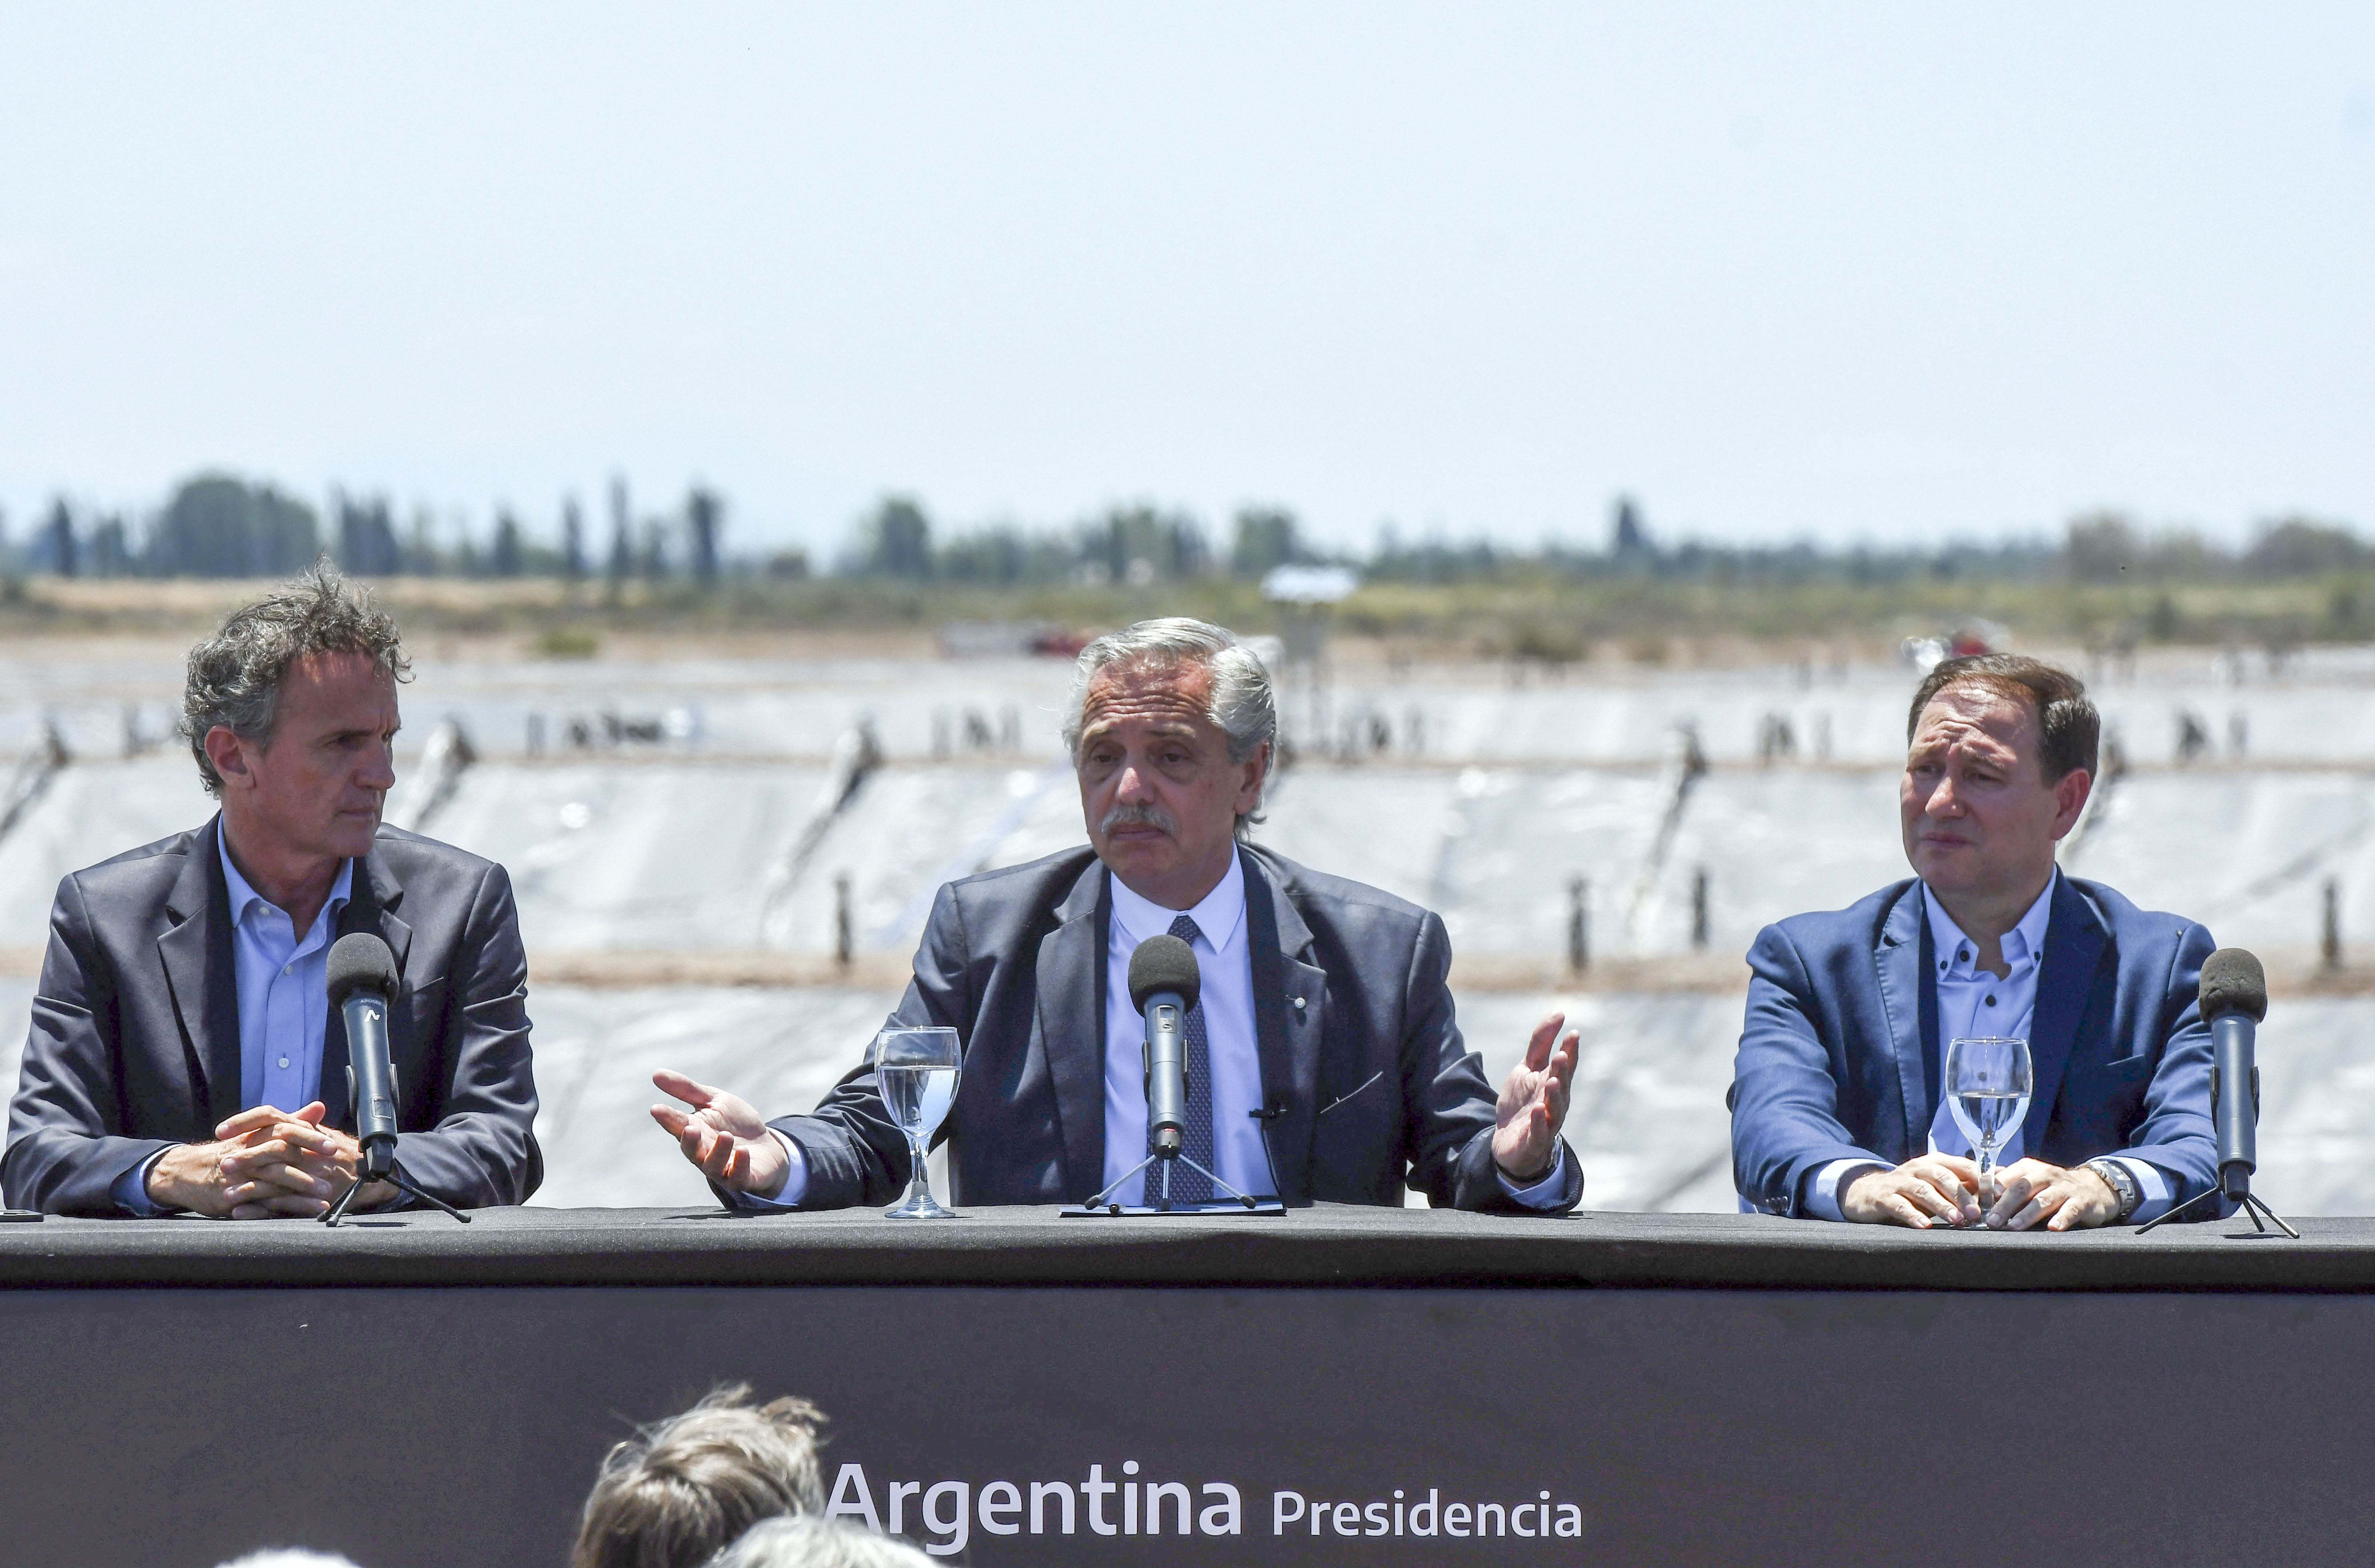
1243	703
682	1490
235	675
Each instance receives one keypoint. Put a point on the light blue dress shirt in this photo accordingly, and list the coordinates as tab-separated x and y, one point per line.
1225	954
284	1006
1973	1001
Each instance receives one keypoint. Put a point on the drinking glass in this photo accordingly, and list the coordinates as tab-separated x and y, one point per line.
917	1070
1988	1087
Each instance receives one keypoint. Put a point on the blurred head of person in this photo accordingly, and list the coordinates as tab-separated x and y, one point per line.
1172	726
812	1542
679	1491
291	712
289	1557
2000	758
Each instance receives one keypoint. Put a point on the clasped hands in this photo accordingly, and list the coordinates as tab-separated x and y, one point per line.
263	1163
1942	1190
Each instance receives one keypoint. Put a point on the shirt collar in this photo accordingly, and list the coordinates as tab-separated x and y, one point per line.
1218	915
1959	955
244	898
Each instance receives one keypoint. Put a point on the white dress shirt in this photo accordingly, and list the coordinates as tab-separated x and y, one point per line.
1971	1002
1225	954
284	1006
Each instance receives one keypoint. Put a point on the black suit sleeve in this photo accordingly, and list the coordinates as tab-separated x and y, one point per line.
1451	1102
66	1147
854	1153
482	1153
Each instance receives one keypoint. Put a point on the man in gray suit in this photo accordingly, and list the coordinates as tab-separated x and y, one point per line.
183	1055
1324	1061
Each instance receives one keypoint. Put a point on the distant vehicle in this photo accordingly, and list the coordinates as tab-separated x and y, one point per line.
1977	636
1059	644
1968	638
1007	639
1309	585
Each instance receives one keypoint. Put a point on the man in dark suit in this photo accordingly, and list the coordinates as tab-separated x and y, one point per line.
183	1055
1325	1063
1837	1105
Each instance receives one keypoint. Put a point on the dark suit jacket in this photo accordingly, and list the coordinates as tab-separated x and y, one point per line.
1841	1054
134	1043
1015	962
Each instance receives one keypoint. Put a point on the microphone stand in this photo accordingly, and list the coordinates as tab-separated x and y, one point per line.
2233	1077
393	1175
2236	1184
1167	1158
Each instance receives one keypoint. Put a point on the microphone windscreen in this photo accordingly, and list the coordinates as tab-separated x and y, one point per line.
1165	964
2233	981
360	961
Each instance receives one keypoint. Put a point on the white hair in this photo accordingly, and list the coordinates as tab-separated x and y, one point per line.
1243	705
289	1557
806	1541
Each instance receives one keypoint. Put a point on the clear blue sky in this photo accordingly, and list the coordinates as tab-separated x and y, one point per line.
1889	272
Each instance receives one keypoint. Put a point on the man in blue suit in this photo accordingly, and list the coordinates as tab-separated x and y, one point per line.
1836	1111
1325	1063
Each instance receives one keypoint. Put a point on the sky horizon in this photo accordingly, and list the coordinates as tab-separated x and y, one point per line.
1848	273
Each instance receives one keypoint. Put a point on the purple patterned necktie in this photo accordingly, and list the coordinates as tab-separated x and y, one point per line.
1187	1184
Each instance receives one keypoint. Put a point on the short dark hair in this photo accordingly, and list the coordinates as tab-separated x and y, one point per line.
2065	718
680	1490
235	675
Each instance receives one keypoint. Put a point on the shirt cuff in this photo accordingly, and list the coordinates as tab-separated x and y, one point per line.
2155	1191
1823	1189
795	1181
1545	1194
131	1190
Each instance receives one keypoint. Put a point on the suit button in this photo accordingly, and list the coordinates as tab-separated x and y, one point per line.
1298	1004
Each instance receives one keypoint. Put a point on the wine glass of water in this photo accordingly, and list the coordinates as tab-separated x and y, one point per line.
1987	1081
917	1070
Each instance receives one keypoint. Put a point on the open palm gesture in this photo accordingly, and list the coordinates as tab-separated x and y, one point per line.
1533	1103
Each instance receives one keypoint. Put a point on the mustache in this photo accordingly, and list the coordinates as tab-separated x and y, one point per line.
1126	815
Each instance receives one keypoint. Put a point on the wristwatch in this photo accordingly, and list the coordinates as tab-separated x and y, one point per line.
2123	1186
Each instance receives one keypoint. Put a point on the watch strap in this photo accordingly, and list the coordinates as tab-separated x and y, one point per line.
2123	1183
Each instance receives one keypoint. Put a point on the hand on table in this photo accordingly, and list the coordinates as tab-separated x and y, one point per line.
723	1136
2067	1199
1533	1103
263	1163
1928	1190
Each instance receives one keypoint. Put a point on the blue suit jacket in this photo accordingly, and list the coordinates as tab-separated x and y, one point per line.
1839	1054
1362	1069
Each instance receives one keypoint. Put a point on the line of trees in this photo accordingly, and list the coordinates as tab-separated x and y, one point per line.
1142	546
220	525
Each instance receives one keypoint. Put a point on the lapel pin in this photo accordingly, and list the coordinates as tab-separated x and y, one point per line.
1298	1004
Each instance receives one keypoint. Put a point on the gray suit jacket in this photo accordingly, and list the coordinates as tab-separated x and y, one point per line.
1367	1084
134	1041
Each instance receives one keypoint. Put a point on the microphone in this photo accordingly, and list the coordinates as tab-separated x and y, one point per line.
1163	984
2234	1000
362	981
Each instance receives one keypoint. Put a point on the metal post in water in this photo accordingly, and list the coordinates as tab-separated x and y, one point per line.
2330	941
1699	908
841	918
1579	932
